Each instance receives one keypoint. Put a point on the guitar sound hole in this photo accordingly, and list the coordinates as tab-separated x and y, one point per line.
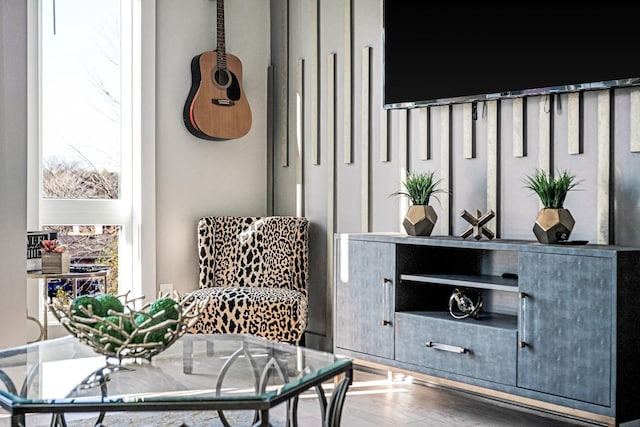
222	78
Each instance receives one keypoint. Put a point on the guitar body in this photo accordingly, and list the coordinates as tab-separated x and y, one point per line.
216	108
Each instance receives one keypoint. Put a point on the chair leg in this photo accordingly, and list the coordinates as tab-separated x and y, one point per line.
301	341
187	355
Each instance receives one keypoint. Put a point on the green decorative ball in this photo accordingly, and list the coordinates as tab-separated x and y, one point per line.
155	336
111	302
141	318
169	305
122	324
86	301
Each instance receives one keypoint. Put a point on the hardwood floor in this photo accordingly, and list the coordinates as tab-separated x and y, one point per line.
376	400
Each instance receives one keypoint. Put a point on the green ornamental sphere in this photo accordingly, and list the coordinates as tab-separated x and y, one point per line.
157	336
111	302
141	318
169	305
162	310
88	302
122	324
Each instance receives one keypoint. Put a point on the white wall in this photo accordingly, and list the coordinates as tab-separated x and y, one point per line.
13	171
197	177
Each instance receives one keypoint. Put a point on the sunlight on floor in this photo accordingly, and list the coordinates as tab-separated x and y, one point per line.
61	377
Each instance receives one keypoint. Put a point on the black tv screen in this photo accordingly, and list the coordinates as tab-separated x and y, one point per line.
439	58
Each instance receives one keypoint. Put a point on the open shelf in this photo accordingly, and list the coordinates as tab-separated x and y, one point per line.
470	281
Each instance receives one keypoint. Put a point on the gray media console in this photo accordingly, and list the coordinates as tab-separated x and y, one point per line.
559	327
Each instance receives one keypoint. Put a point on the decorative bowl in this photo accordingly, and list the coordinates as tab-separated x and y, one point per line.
130	333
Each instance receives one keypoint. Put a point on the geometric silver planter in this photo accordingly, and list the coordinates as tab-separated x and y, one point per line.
420	220
553	225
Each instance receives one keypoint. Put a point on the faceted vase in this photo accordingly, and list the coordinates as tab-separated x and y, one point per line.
553	225
420	220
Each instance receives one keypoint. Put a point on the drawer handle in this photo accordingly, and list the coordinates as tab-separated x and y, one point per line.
446	347
386	309
522	342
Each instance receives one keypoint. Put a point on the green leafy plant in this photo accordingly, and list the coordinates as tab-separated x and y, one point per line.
552	191
419	187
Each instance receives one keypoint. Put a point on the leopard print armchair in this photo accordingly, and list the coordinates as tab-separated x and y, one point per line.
255	272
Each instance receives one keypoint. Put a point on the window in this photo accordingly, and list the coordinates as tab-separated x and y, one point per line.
81	97
87	139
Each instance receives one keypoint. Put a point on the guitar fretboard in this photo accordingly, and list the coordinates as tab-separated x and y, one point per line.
221	57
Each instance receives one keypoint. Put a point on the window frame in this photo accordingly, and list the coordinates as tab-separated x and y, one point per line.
137	198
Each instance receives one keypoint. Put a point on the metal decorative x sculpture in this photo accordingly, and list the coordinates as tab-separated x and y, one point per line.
477	225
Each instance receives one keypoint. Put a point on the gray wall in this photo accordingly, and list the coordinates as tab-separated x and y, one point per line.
334	63
13	170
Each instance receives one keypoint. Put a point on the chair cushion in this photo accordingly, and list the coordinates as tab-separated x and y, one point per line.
274	313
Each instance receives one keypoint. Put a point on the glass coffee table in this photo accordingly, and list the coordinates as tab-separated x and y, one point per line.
221	373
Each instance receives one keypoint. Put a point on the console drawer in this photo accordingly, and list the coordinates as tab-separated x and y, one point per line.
489	353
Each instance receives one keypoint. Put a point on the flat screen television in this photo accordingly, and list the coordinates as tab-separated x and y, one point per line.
437	58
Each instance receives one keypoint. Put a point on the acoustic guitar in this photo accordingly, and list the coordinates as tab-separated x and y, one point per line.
217	108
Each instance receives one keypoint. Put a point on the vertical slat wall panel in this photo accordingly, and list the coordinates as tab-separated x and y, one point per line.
604	158
271	102
314	140
518	127
300	137
348	81
544	131
365	123
424	133
467	131
400	123
574	123
384	135
445	169
492	164
634	120
283	111
331	161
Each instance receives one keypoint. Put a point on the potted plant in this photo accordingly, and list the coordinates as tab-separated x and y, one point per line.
554	222
419	187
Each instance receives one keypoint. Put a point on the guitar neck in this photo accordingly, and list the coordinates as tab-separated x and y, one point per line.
221	56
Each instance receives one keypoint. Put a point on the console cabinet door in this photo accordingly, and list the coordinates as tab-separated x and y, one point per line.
566	325
364	297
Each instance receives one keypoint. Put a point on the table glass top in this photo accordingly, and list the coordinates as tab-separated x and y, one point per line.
195	369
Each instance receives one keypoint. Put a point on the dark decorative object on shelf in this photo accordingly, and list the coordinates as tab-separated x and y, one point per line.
419	187
420	220
465	303
554	223
477	225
